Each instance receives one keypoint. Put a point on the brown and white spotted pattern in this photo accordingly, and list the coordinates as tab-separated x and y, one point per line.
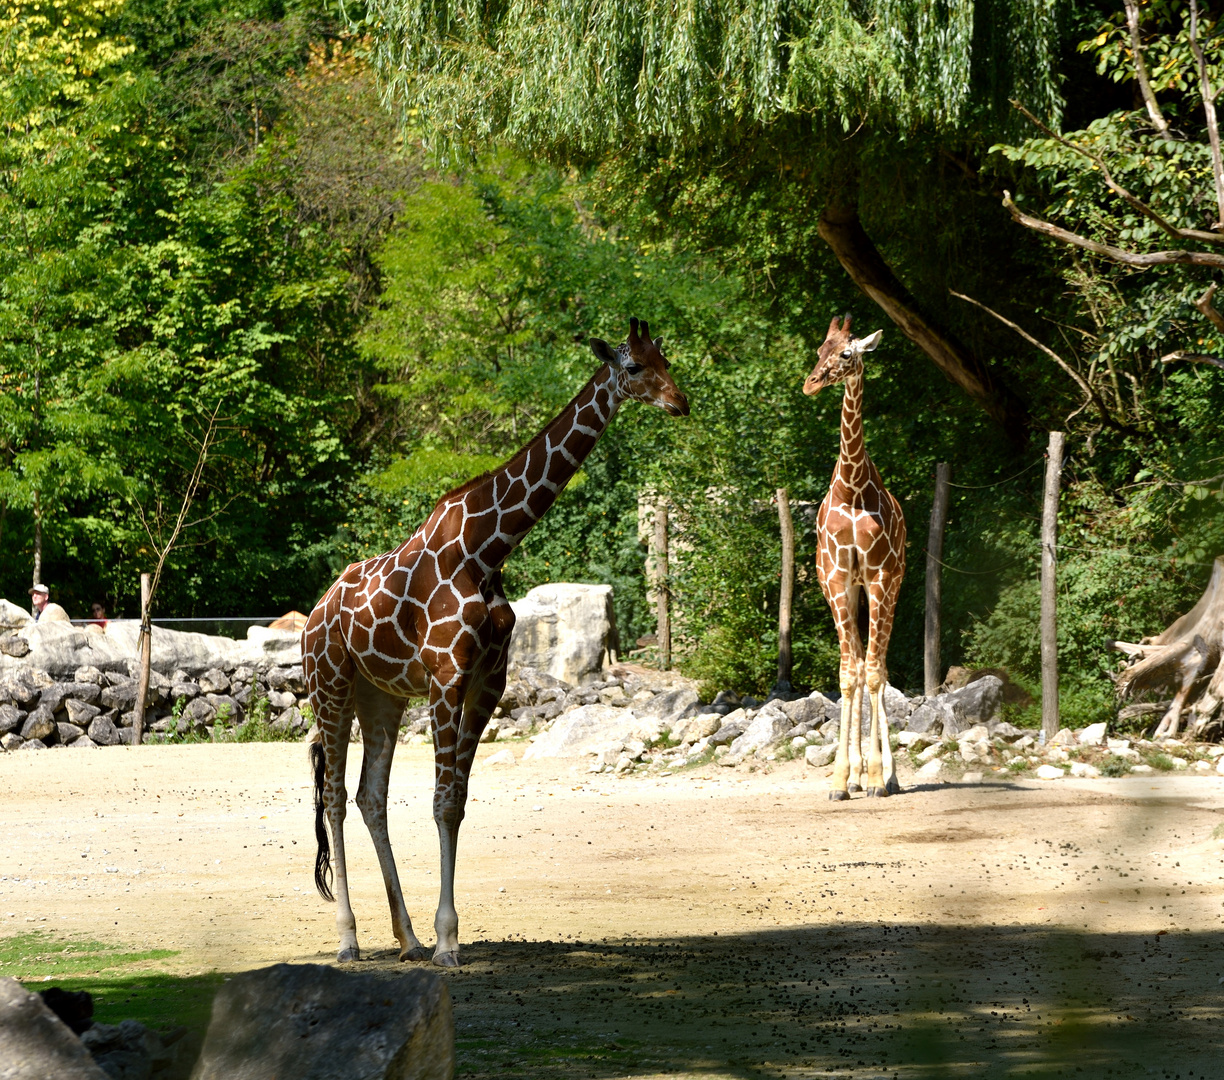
430	618
861	546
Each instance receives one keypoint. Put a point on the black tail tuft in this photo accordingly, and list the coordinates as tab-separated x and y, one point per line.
323	870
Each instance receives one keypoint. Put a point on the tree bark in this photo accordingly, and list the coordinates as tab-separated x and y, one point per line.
839	226
146	661
786	526
934	581
37	541
1049	593
660	544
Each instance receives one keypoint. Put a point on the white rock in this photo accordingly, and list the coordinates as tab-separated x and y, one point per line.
819	756
1142	770
931	770
1220	766
586	729
564	630
1082	768
502	757
931	752
769	725
1049	772
1179	763
1202	766
977	733
13	617
1117	744
971	778
1215	751
1092	735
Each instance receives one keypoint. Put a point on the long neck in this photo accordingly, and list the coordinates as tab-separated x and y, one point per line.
510	500
853	464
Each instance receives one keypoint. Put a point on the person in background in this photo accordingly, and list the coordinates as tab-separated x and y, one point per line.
44	609
98	621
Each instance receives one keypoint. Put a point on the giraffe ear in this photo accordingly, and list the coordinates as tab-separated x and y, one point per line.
869	342
605	352
658	343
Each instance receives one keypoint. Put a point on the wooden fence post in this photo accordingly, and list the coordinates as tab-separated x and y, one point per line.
146	658
932	676
786	595
661	593
1049	593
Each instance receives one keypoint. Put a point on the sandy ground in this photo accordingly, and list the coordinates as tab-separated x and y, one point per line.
715	923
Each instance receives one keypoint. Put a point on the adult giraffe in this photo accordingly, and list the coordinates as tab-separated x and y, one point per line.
860	546
430	618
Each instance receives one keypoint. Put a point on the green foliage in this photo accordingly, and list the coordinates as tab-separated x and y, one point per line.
580	80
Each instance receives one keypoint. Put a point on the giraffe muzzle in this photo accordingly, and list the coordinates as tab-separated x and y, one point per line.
677	406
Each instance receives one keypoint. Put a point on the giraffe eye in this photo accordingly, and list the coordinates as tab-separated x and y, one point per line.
632	369
846	355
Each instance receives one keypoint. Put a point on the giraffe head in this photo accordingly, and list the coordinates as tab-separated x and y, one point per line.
839	356
641	369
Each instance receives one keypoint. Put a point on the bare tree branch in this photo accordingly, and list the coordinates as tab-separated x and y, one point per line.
1084	385
1207	308
1127	258
1131	200
1145	87
1191	358
1213	129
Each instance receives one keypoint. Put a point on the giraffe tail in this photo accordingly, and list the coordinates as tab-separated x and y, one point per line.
323	870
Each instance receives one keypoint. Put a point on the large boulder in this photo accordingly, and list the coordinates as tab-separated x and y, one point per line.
13	617
62	648
671	706
768	727
35	1044
567	631
587	729
952	713
312	1022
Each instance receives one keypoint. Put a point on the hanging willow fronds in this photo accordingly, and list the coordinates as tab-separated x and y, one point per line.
577	78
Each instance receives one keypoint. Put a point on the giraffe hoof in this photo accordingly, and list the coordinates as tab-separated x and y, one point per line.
893	786
853	789
877	792
348	956
446	959
839	796
417	954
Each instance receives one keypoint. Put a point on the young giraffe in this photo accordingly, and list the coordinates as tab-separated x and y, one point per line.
430	618
861	545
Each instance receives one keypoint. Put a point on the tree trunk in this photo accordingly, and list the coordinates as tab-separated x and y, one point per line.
1186	659
37	541
786	526
932	676
660	544
839	226
146	661
1049	591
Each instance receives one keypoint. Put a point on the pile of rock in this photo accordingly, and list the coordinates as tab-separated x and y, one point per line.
97	708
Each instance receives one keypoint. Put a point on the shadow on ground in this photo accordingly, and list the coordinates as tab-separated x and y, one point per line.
862	1001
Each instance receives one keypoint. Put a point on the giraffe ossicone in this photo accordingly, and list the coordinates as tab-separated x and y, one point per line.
860	563
430	618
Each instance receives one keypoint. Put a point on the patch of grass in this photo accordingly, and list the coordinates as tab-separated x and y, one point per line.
32	955
1217	833
1159	761
125	985
1018	765
1114	766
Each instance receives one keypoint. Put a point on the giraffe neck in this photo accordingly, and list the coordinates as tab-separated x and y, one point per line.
854	467
506	503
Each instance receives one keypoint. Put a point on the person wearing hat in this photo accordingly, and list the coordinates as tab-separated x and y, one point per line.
44	610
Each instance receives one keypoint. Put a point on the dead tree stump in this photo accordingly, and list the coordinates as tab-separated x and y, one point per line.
1186	659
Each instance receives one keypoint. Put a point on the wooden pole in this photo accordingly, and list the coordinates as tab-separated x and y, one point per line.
146	659
660	545
786	526
1049	592
934	581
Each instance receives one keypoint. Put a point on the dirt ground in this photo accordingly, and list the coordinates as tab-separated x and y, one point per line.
711	923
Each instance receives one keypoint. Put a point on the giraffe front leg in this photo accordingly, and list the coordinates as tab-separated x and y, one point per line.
856	732
379	713
878	743
882	601
449	799
843	601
